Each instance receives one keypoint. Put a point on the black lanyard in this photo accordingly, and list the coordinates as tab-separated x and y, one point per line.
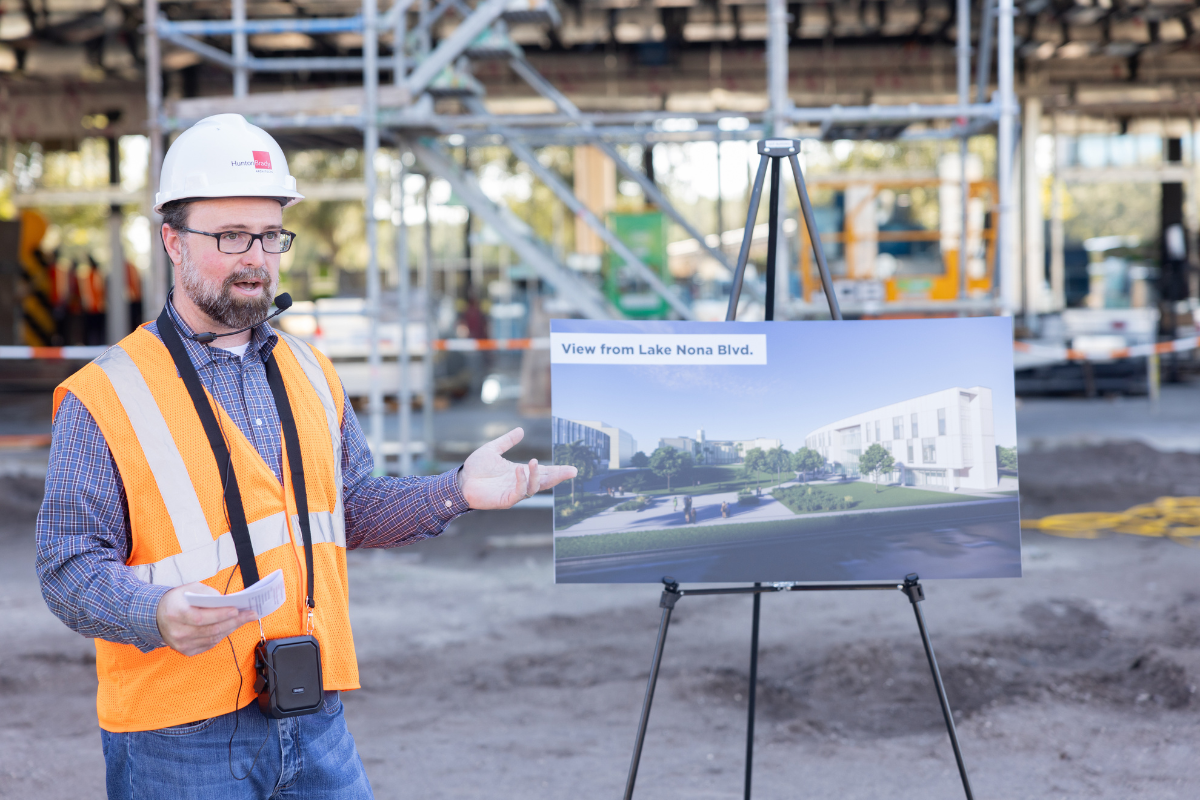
238	528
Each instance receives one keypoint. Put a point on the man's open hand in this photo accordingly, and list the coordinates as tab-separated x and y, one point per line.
191	630
487	480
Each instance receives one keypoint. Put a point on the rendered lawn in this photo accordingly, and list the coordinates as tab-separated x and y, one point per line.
604	544
864	496
586	505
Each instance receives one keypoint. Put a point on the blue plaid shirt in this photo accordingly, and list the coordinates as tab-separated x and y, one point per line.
83	536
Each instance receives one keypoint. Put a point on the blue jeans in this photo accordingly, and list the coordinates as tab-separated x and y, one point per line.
302	757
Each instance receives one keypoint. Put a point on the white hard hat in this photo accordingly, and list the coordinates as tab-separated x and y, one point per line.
225	156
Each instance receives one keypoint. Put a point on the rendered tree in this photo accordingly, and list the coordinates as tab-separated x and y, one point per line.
667	461
639	460
876	460
806	460
754	462
778	459
579	456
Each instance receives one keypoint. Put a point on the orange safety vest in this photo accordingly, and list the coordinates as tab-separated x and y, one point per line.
180	534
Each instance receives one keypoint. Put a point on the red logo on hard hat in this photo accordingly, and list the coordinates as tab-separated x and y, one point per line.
262	159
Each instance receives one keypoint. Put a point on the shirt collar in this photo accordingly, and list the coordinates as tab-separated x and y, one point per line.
262	341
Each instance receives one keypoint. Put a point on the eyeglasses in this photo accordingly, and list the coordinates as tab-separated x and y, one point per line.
237	242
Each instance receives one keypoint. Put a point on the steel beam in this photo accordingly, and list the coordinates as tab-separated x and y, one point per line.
569	286
156	293
543	87
453	45
567	196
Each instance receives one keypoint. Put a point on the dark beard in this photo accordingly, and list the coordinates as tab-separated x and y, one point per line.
220	304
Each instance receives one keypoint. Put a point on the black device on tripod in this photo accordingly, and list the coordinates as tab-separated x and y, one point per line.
772	152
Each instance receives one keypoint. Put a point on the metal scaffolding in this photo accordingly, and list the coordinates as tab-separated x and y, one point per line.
404	114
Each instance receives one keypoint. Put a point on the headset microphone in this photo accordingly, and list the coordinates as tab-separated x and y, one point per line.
282	303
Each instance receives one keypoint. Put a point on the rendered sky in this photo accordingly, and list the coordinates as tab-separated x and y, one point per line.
816	372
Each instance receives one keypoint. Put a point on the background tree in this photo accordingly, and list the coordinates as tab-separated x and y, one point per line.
639	460
778	459
1006	458
579	456
806	460
667	461
875	460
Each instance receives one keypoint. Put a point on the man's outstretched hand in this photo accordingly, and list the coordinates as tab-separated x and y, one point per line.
487	480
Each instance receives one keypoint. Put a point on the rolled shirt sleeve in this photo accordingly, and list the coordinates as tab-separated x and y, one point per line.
83	539
389	511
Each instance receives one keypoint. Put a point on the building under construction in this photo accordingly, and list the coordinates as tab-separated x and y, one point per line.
1002	97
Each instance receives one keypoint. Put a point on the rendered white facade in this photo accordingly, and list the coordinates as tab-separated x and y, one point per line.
941	439
622	445
718	451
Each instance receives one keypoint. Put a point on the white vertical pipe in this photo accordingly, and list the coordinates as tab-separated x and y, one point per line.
777	64
964	96
241	75
117	315
1058	267
370	148
402	286
399	35
403	268
1006	262
427	391
155	296
777	90
1032	224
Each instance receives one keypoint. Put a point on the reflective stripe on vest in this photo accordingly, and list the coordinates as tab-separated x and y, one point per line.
200	555
316	376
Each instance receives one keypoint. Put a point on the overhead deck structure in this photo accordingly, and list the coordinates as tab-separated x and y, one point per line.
527	73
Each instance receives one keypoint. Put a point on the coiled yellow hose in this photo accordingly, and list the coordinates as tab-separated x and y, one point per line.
1176	518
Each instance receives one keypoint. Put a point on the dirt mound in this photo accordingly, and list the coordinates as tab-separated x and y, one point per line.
1109	477
884	689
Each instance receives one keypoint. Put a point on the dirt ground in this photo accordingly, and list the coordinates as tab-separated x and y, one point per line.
482	679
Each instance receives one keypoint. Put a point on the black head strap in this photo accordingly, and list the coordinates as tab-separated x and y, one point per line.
291	440
212	429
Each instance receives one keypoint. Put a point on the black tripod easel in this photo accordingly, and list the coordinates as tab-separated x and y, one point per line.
772	151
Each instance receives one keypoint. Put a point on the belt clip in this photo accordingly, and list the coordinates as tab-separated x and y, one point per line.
310	622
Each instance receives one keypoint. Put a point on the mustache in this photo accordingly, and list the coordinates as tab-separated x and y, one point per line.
247	274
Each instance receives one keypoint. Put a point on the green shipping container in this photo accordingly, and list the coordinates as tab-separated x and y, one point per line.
646	235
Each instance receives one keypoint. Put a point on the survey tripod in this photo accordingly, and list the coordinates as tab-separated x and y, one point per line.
772	152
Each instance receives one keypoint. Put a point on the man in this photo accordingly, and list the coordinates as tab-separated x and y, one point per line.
139	508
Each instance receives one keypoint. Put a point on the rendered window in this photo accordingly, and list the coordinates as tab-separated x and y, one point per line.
914	434
910	453
941	422
929	451
877	430
897	427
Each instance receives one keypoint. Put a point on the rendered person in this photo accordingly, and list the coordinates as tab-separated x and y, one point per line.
135	514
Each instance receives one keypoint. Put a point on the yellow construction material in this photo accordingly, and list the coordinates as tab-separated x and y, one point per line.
1175	518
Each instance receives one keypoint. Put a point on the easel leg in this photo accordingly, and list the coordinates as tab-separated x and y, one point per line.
670	596
916	594
753	691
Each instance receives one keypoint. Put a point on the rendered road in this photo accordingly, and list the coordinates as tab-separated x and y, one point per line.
962	540
666	512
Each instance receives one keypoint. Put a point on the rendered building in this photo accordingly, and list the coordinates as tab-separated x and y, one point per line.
940	439
717	451
621	445
566	431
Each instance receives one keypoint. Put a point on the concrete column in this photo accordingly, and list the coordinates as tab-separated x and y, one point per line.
596	186
117	318
1058	267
